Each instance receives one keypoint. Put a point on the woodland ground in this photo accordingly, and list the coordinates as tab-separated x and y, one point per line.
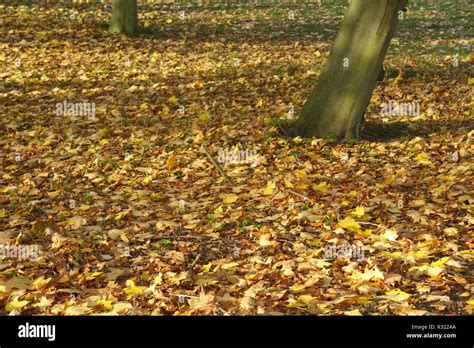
100	196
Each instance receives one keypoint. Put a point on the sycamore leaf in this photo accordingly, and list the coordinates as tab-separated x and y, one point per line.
322	187
354	312
268	190
121	307
368	274
230	265
173	100
440	262
171	162
359	211
231	198
77	310
93	275
133	290
417	217
265	241
15	304
202	302
349	224
104	303
40	282
148	178
390	235
204	117
423	158
397	295
43	303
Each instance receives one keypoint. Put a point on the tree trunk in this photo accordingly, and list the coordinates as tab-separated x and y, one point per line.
337	104
124	17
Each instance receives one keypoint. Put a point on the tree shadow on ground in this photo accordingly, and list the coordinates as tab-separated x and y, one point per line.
386	132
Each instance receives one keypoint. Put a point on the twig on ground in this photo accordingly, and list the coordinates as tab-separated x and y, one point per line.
195	261
371	224
297	194
218	167
208	238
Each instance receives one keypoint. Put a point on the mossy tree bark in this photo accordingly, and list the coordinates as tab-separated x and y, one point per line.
337	104
124	17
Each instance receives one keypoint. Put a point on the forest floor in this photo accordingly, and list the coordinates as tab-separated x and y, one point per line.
131	217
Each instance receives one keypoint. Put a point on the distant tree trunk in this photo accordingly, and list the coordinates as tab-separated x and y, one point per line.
337	104
124	17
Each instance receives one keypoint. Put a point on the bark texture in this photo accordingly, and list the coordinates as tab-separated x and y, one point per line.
124	17
337	104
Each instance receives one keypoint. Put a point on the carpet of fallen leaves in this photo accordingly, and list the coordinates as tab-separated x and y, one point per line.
101	195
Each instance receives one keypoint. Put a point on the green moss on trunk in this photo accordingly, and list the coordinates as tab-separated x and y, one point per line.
345	86
124	17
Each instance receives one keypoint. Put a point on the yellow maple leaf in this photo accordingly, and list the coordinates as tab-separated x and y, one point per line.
322	187
156	196
122	306
133	290
298	287
202	302
148	178
171	162
390	235
40	282
231	198
77	310
265	241
350	224
358	211
230	265
54	194
301	187
15	305
173	100
104	303
354	312
440	262
93	275
43	303
423	158
204	117
435	271
397	295
268	190
389	179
